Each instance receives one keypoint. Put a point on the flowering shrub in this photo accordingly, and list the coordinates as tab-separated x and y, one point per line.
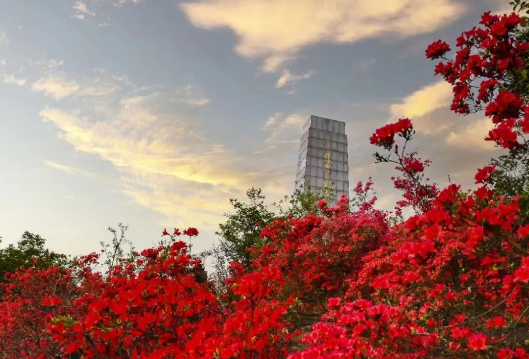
452	281
31	299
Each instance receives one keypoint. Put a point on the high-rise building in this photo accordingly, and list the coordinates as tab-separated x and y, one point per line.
323	160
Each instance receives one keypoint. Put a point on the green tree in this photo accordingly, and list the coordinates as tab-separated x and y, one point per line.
30	251
300	203
243	227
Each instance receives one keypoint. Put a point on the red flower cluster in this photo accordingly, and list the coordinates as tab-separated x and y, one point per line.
437	49
385	136
191	232
486	59
483	174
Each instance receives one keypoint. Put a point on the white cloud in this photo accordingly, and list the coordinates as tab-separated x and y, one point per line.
190	95
123	2
12	80
277	30
81	11
284	128
48	64
472	135
164	160
95	90
4	40
422	102
68	169
287	78
196	102
501	7
56	86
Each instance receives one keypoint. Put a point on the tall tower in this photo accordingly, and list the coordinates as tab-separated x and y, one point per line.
323	160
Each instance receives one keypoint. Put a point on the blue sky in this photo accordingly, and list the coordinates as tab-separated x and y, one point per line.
155	113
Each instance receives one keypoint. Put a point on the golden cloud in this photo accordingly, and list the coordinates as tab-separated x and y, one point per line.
277	30
419	105
472	136
166	164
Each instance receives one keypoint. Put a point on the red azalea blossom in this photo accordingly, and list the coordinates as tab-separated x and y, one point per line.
483	174
384	136
477	342
437	49
496	322
192	232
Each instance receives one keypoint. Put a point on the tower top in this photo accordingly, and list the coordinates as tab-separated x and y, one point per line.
325	124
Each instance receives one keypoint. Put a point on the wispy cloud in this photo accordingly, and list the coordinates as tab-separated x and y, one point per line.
4	40
81	11
96	10
122	2
12	80
422	102
471	136
47	64
190	95
69	169
56	86
164	160
280	35
501	7
103	90
284	128
289	79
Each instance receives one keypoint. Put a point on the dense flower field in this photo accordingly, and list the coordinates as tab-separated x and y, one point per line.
451	281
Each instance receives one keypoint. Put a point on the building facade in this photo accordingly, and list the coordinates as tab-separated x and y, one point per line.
323	162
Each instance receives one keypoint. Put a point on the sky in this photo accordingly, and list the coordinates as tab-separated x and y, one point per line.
154	113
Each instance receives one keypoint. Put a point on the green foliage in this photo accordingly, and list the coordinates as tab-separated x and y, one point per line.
242	229
511	177
300	203
520	6
30	251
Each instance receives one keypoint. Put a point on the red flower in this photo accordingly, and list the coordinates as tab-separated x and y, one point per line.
523	231
176	232
165	233
484	174
498	29
486	88
477	342
51	301
504	134
384	136
413	165
191	232
496	322
437	49
522	274
505	354
507	105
